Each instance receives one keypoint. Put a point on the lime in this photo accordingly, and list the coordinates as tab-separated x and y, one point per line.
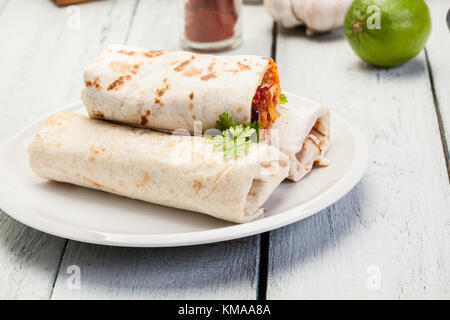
387	33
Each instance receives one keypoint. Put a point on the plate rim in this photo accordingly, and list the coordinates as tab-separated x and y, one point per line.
320	202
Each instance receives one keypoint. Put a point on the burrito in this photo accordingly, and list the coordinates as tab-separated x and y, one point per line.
178	171
303	133
166	90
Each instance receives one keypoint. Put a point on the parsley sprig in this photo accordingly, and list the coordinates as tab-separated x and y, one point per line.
225	122
236	137
283	98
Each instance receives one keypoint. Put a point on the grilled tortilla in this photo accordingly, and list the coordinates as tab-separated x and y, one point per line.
177	171
303	133
166	90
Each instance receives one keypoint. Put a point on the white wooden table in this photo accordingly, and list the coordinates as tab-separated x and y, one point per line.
388	238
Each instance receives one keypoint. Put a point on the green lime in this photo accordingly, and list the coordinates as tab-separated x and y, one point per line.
387	33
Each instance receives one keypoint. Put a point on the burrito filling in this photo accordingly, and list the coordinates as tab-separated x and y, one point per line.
266	98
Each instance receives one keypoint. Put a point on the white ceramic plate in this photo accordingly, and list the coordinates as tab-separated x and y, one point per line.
98	217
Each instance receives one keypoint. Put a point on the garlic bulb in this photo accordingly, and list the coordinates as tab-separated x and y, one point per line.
317	15
281	11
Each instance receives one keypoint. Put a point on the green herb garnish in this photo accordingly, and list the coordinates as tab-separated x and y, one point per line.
236	137
283	98
225	122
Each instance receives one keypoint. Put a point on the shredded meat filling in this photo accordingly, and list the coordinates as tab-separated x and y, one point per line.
266	98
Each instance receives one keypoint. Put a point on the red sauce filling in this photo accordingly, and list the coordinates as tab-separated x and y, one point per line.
265	100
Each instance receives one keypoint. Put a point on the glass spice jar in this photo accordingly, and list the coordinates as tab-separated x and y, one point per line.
210	25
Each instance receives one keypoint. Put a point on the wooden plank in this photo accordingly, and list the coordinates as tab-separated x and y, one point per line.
3	4
438	51
41	68
47	59
29	260
227	270
222	271
388	238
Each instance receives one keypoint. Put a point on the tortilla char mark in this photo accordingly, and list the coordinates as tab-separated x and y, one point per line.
145	117
118	83
211	74
191	72
208	76
191	103
127	72
98	114
211	66
136	68
97	150
160	92
243	66
96	83
128	53
152	53
145	179
234	71
197	186
57	121
125	68
180	67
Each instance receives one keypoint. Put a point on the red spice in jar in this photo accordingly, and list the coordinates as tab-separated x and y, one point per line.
209	20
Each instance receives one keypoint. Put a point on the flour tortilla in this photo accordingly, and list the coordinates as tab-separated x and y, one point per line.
166	90
303	133
177	171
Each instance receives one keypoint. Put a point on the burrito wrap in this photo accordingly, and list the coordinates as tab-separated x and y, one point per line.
169	90
304	135
150	166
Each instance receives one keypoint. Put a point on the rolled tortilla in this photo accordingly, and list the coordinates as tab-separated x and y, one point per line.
177	171
169	90
303	133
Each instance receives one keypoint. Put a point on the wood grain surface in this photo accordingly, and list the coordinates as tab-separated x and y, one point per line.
387	238
438	53
227	270
42	67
